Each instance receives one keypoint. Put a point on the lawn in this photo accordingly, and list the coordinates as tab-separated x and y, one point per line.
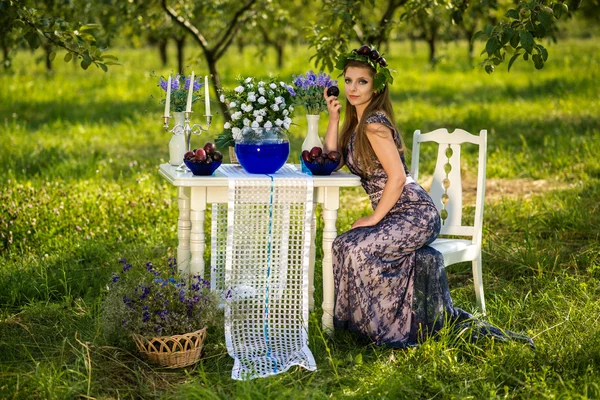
79	190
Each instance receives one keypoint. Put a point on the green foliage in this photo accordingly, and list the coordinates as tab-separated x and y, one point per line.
37	27
520	34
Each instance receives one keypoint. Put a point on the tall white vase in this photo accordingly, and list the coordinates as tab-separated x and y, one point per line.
177	145
312	135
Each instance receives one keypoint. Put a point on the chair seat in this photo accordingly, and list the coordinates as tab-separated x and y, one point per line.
457	250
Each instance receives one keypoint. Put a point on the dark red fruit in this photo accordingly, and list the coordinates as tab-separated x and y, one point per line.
364	50
200	155
374	54
319	160
334	156
210	148
208	160
217	156
306	156
333	91
382	62
188	155
316	152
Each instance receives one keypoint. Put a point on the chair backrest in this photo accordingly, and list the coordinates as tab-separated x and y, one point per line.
446	188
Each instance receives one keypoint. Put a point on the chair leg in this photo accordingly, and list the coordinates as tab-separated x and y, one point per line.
478	283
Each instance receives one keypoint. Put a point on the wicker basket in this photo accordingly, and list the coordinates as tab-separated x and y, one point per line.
172	351
232	156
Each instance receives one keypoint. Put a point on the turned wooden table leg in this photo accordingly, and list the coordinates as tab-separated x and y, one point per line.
183	229
331	204
197	238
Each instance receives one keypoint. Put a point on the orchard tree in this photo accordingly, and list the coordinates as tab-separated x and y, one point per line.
213	26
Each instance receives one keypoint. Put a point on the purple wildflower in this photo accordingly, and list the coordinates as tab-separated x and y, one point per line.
115	278
311	76
174	83
145	316
126	267
291	90
197	85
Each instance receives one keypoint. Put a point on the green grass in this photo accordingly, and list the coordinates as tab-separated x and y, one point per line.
80	189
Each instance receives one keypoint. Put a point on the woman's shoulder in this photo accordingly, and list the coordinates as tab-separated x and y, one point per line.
380	117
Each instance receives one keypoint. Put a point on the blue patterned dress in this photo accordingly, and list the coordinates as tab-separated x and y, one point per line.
390	286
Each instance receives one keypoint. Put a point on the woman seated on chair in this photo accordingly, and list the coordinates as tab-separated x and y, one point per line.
390	286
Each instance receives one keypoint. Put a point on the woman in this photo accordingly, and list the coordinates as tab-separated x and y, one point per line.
390	287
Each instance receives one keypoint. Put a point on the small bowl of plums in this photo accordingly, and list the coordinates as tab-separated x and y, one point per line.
320	163
203	161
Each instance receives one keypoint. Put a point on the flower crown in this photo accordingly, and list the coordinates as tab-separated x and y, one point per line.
369	55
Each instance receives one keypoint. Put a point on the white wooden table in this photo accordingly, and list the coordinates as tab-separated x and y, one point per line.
195	192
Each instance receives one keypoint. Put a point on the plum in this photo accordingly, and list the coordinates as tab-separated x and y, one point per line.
316	152
210	148
364	50
333	91
200	155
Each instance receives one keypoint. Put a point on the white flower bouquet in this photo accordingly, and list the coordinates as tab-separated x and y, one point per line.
256	104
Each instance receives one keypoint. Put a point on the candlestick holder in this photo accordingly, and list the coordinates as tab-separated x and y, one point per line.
188	129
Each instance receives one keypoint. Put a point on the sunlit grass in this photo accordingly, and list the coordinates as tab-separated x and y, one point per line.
79	189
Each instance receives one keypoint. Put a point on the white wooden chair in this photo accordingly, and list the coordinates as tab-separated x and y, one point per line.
446	192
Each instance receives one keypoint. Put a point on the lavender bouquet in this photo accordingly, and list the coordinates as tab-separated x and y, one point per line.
309	89
151	301
180	86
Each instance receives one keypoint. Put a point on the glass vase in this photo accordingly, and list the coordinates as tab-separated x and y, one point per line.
177	145
262	151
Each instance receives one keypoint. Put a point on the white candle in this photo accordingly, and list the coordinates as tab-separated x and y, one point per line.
168	99
188	107
206	96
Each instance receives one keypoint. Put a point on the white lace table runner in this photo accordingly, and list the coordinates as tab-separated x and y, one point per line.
260	254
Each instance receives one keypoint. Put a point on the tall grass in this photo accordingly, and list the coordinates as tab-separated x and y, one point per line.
80	189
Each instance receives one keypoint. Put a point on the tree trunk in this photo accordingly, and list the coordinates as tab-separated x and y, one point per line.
162	49
431	43
216	80
279	47
180	46
48	50
6	60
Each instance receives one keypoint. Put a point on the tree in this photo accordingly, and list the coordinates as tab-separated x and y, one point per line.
38	27
226	18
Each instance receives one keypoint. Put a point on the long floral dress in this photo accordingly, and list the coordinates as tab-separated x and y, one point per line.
390	286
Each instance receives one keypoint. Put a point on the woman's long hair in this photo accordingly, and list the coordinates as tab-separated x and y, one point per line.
379	102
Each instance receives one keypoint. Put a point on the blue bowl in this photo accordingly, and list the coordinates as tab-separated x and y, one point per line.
262	157
321	169
202	168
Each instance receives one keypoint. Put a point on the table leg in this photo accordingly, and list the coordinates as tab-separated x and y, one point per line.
197	239
311	260
183	229
331	203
